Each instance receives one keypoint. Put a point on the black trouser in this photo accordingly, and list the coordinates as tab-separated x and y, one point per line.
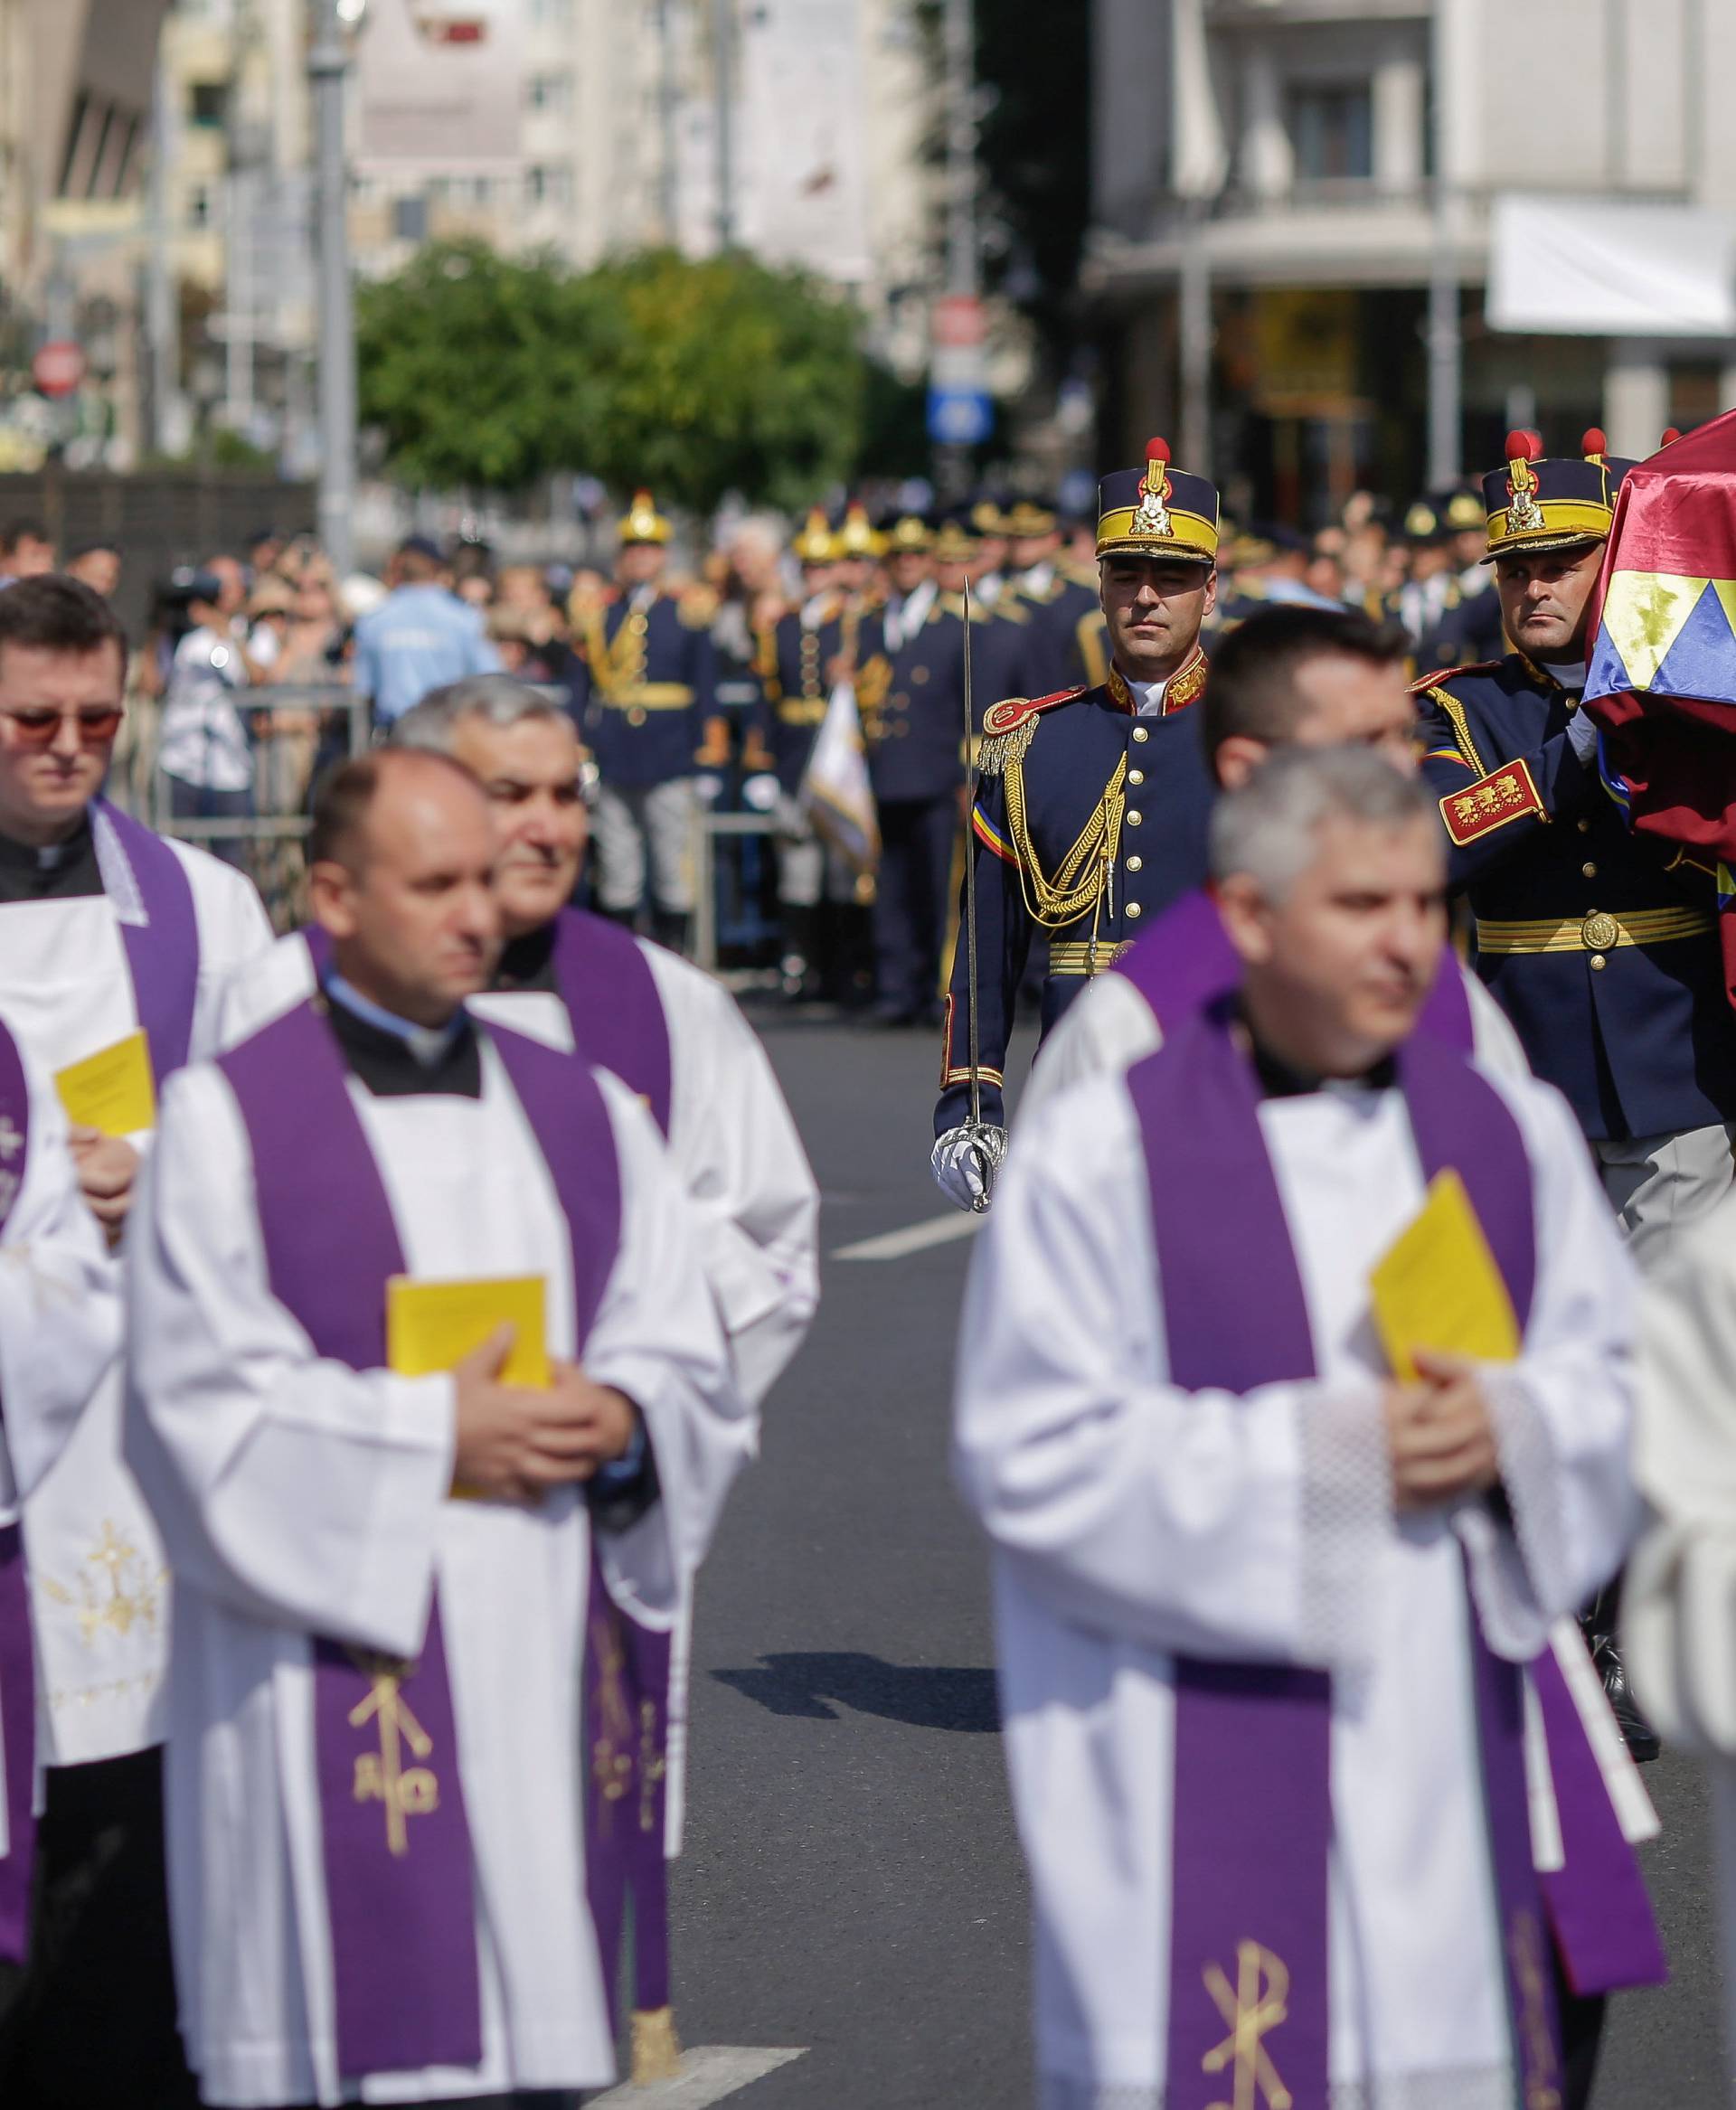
913	904
89	2022
1582	2021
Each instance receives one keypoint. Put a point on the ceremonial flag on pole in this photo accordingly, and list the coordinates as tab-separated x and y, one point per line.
1662	679
835	792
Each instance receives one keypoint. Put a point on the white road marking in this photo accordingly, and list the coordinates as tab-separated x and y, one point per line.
706	2076
938	1231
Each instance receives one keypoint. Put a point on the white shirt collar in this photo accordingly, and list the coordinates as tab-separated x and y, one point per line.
1148	697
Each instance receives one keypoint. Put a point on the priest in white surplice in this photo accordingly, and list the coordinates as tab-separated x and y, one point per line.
672	1033
1261	1610
352	1904
106	932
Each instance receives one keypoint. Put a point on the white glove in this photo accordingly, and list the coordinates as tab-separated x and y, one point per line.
708	788
760	794
963	1162
1583	736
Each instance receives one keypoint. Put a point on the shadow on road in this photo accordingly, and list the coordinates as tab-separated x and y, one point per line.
925	1697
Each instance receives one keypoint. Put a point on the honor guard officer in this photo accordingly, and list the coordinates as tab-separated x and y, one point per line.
1091	806
916	739
650	722
800	659
1606	961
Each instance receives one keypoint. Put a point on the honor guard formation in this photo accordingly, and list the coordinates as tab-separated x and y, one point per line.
393	1286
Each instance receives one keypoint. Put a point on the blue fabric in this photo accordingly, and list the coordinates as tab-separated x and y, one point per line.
419	638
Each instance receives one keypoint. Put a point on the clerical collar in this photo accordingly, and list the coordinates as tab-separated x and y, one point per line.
528	962
1279	1080
397	1058
31	872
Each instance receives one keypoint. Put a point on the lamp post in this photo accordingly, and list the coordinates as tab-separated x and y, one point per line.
328	60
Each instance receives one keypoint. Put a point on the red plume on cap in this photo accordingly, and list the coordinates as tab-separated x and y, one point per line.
1593	441
1525	446
1672	433
1157	450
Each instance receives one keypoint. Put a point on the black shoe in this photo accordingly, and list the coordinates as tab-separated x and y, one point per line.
1641	1738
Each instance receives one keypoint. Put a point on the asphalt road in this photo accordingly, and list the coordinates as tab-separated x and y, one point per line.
852	1884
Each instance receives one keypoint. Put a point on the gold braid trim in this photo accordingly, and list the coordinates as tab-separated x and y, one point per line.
1455	717
1057	902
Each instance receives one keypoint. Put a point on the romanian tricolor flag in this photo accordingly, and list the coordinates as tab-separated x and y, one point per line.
1662	679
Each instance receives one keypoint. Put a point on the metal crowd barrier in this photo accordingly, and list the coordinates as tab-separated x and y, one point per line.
710	829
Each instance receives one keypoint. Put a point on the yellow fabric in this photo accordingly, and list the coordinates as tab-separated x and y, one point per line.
1643	614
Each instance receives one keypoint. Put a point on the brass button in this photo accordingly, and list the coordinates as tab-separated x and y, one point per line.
1134	820
919	675
1140	733
636	715
1136	776
1135	864
900	703
1135	910
1598	932
1598	960
1590	870
1585	827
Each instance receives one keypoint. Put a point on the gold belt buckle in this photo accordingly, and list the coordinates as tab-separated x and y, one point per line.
1598	932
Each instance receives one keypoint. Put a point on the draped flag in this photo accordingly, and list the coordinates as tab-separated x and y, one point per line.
836	791
1662	678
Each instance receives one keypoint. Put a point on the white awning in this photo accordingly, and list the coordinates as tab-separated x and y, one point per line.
1610	268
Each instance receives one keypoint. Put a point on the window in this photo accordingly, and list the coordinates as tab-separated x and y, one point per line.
551	94
552	185
1332	131
208	102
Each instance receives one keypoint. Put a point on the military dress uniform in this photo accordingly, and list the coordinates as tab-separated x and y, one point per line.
1066	647
650	722
1602	952
1091	811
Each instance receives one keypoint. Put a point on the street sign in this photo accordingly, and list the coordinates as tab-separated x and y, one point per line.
960	416
58	368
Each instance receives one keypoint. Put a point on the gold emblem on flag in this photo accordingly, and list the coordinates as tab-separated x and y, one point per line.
1252	2008
381	1775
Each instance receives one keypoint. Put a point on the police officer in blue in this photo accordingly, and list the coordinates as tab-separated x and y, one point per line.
651	721
1092	804
916	749
1601	950
830	636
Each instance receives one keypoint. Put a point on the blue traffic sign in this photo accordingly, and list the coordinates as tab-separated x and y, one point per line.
960	416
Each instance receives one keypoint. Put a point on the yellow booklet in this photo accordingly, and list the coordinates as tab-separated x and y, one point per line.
1437	1285
431	1325
113	1089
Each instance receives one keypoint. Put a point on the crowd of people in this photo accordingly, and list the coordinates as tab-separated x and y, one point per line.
386	1306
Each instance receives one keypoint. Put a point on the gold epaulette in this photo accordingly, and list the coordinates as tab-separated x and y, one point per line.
1009	728
1424	685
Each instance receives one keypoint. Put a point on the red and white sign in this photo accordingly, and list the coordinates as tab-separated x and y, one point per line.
58	368
958	321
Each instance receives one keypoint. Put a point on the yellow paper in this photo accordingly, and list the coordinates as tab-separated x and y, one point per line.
113	1089
431	1325
1438	1287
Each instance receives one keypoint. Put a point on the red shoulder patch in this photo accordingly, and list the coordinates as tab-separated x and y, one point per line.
1017	711
1445	673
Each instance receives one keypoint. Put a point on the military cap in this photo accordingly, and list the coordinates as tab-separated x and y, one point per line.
1025	518
1157	511
815	544
985	518
1423	523
642	522
1560	503
857	535
954	544
1461	509
907	531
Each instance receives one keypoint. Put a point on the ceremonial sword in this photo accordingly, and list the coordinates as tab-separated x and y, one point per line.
987	1156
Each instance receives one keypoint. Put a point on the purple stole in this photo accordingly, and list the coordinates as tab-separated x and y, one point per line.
1252	1808
158	927
1186	959
396	1842
17	1656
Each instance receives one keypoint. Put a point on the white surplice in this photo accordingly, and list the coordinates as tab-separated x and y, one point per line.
99	1584
60	1317
1678	1607
1109	1025
1132	1522
298	1498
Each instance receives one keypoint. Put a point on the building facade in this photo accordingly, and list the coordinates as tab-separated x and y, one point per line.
1276	183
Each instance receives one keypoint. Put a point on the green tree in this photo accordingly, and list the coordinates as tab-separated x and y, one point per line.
694	378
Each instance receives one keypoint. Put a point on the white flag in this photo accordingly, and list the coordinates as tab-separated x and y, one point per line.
836	792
